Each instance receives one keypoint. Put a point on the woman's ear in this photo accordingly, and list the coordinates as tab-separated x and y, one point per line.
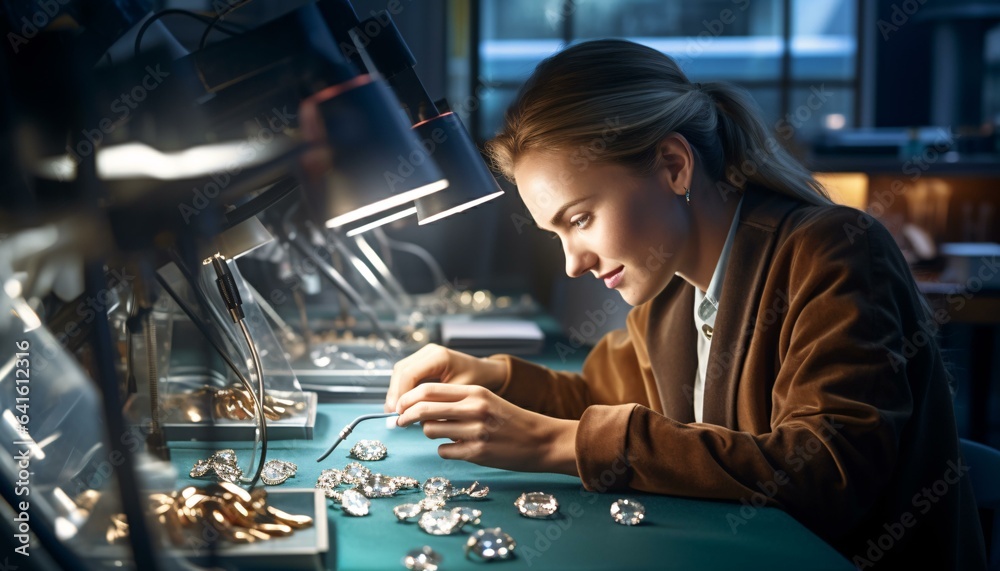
675	163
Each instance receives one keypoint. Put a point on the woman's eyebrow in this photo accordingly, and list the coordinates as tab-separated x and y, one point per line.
562	210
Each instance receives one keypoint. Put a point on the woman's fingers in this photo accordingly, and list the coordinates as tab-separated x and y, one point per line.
464	430
430	362
435	401
464	450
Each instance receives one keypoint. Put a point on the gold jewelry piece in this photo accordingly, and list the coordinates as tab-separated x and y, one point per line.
236	515
231	403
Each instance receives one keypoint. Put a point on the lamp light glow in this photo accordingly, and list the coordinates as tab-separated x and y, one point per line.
382	221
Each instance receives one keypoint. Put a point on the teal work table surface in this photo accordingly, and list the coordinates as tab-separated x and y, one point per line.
678	533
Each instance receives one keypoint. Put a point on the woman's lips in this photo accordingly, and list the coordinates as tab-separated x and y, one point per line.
612	280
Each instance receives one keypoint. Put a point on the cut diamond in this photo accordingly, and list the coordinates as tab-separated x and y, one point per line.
331	477
275	472
432	503
439	522
437	487
200	468
423	559
537	504
336	495
491	543
407	511
227	473
354	503
378	486
628	512
369	450
467	515
355	473
227	456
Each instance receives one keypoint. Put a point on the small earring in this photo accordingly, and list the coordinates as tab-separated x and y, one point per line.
687	194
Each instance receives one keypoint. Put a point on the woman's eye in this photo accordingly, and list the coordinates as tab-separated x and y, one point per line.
581	221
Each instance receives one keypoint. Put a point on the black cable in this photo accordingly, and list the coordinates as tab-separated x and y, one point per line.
215	21
175	11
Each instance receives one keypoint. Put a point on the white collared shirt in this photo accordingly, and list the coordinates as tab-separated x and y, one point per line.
706	306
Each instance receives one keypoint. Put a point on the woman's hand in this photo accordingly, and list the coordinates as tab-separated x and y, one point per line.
434	362
486	429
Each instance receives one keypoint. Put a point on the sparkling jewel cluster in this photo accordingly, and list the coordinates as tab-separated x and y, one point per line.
224	466
431	513
363	485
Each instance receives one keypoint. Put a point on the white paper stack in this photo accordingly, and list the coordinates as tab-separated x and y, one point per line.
488	336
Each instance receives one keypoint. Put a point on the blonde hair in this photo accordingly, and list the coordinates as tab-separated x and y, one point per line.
573	97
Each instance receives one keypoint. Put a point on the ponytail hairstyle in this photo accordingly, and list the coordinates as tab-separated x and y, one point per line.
574	96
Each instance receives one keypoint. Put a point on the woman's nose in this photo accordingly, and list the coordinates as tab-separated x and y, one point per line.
578	259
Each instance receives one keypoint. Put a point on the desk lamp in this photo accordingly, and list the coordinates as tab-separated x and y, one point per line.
453	149
439	129
354	171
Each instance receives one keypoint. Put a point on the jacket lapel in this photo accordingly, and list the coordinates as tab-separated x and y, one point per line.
672	346
749	264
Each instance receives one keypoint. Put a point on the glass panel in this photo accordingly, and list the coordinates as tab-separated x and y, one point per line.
710	39
516	35
651	18
769	99
816	108
508	61
495	103
521	19
824	39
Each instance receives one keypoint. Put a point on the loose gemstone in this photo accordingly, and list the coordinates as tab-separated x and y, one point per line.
437	487
423	559
227	456
439	522
407	511
200	468
355	473
354	503
369	450
628	512
536	504
227	473
467	515
330	477
491	543
432	503
378	486
276	472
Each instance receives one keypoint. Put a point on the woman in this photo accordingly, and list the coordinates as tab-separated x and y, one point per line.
765	352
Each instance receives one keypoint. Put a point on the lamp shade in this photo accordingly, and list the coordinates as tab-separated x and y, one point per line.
237	240
368	159
470	182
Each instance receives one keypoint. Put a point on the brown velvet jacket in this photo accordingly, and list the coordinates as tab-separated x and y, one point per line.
825	395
